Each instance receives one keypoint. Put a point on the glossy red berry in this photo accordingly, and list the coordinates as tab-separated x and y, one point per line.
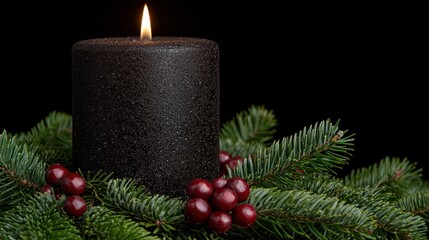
224	199
47	189
73	184
197	210
219	183
199	188
244	215
219	222
55	173
234	162
240	186
75	206
224	157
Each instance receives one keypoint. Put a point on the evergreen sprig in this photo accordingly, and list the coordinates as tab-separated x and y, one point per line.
51	138
248	131
289	214
96	186
21	172
320	148
391	221
394	174
417	204
40	217
97	223
156	210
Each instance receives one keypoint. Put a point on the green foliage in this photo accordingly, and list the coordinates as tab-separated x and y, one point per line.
102	223
51	138
394	174
294	189
248	131
289	214
320	148
41	218
417	204
391	221
156	210
96	186
21	172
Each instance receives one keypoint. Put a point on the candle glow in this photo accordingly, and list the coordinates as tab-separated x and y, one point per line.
145	31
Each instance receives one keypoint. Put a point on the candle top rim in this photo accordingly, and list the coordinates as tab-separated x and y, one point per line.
137	42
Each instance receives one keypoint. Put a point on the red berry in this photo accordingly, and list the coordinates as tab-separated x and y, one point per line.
219	222
219	183
199	188
223	158
240	186
244	215
73	184
234	162
197	210
55	173
224	199
75	206
47	189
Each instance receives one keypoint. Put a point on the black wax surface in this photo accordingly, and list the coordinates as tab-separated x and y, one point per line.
147	110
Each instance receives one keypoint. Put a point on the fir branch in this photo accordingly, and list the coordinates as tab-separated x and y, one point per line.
240	148
396	175
391	221
21	172
40	217
247	131
51	138
191	233
96	186
320	148
288	214
157	211
102	223
417	204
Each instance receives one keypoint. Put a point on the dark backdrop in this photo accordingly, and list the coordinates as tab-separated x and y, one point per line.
362	63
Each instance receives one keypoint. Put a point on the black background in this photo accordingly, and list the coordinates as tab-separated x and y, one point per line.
365	64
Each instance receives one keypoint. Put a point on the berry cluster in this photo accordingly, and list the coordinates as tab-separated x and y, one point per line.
61	181
225	159
219	203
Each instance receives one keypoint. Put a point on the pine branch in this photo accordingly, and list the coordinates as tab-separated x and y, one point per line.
288	214
191	233
96	186
248	131
102	223
21	172
391	221
40	217
157	211
317	149
51	138
417	204
395	174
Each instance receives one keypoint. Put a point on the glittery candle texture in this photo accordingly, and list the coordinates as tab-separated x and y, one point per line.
147	110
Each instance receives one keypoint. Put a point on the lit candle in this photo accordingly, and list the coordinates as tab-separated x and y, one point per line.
147	108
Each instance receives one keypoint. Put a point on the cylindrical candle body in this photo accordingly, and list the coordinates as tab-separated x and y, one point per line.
147	110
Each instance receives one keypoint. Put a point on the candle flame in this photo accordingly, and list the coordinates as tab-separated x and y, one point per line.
145	31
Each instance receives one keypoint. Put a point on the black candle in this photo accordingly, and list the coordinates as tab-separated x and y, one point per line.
148	110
